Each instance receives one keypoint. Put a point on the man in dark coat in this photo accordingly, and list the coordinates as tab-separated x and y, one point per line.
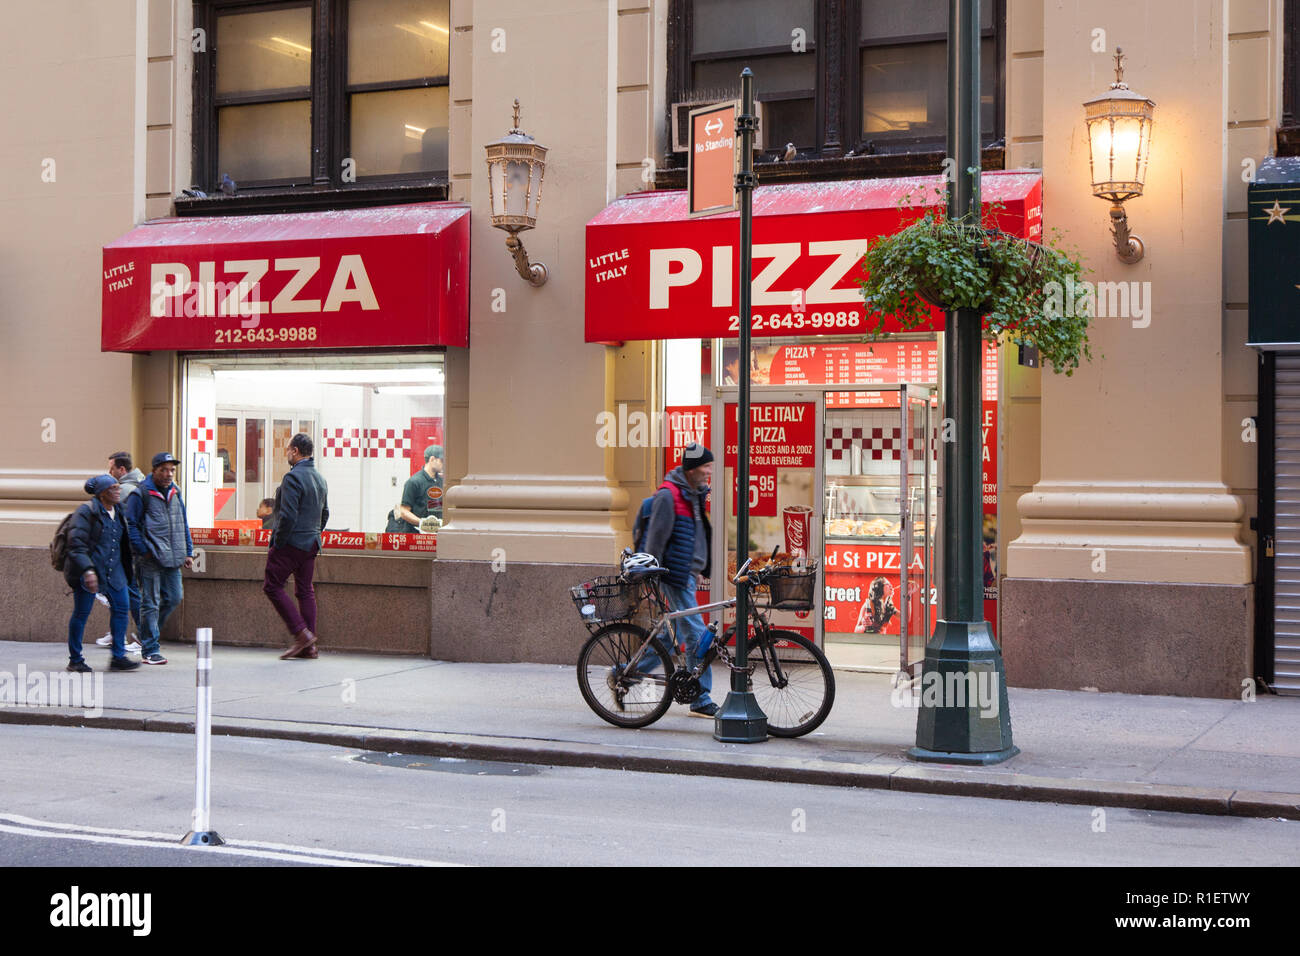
679	536
161	545
301	511
98	559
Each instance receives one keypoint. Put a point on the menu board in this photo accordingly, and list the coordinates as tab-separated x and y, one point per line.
849	363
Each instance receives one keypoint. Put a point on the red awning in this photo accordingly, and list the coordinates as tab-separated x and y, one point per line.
653	273
355	278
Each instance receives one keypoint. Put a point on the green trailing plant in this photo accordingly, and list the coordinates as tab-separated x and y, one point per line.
1025	290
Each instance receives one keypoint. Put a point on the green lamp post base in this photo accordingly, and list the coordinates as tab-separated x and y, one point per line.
740	720
963	715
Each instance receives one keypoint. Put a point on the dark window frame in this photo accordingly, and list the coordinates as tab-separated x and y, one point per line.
329	96
1288	134
838	122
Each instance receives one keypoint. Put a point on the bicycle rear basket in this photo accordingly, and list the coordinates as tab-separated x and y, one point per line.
793	588
606	599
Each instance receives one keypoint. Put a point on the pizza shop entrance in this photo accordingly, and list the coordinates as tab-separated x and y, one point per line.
848	478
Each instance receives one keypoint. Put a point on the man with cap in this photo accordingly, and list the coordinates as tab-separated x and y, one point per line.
122	469
98	560
161	544
301	510
422	493
679	536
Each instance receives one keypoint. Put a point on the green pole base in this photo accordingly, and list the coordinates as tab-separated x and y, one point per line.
963	716
981	759
740	720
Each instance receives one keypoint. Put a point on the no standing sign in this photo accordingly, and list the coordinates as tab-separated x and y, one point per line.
711	162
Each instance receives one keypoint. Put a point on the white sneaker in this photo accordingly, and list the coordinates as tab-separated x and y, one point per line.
132	642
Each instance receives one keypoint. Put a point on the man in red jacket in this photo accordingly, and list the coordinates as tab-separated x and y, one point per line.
679	536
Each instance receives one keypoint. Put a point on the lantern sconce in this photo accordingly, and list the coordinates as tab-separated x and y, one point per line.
516	165
1119	139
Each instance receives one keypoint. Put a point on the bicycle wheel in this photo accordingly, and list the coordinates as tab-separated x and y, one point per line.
624	696
802	703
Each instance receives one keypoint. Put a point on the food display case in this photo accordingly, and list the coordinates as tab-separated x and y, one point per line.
879	514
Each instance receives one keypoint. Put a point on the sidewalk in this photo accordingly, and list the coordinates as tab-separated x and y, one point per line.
1109	750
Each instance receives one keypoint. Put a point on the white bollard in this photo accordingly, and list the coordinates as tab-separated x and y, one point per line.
202	835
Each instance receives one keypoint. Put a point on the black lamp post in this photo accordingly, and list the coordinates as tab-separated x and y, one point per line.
963	717
740	720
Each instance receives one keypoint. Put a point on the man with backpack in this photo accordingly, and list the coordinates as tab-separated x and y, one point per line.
673	525
122	469
161	545
97	559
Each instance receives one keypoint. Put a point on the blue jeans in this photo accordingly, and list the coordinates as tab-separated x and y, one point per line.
82	602
160	592
693	634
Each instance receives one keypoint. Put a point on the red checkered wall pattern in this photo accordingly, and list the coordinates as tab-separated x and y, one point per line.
877	444
366	442
201	434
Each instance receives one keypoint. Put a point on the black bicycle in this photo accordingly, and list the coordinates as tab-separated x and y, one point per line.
630	678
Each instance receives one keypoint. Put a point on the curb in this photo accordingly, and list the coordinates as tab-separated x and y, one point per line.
901	778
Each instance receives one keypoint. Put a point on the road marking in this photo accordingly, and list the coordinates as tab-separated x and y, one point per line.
26	826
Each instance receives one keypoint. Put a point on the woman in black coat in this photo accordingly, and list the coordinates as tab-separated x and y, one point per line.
99	560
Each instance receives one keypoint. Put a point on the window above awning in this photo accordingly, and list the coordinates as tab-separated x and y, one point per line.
654	273
356	278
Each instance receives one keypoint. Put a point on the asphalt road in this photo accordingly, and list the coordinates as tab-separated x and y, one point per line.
285	803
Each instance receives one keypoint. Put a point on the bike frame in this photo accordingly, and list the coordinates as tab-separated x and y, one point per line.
667	616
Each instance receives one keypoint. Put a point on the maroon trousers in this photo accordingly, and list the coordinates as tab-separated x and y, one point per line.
280	563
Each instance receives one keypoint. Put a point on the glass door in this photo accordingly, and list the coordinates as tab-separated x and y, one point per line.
919	475
250	461
784	494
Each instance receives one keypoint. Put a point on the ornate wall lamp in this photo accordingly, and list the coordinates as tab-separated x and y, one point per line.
516	165
1119	136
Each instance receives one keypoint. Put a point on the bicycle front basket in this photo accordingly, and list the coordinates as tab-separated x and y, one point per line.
793	589
606	599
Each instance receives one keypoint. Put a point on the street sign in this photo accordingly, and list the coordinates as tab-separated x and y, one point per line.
711	160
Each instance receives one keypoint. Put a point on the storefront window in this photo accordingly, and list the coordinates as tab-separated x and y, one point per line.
371	421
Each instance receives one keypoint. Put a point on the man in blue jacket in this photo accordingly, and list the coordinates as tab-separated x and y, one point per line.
679	535
161	543
98	561
301	511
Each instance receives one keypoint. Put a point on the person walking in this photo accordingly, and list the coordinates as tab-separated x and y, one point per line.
122	469
301	512
161	545
678	534
99	561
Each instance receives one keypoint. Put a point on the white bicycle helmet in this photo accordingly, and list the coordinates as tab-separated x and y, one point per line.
639	563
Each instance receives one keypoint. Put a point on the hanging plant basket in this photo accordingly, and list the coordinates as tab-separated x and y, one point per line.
1017	285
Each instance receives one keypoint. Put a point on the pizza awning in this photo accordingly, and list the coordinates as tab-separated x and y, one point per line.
355	278
655	273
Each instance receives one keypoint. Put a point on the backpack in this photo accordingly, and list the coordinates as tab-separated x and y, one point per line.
59	545
643	519
642	522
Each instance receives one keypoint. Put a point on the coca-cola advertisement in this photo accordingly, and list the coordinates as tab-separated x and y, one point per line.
781	492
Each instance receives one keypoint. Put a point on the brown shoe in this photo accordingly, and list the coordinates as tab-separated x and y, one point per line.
303	640
308	654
